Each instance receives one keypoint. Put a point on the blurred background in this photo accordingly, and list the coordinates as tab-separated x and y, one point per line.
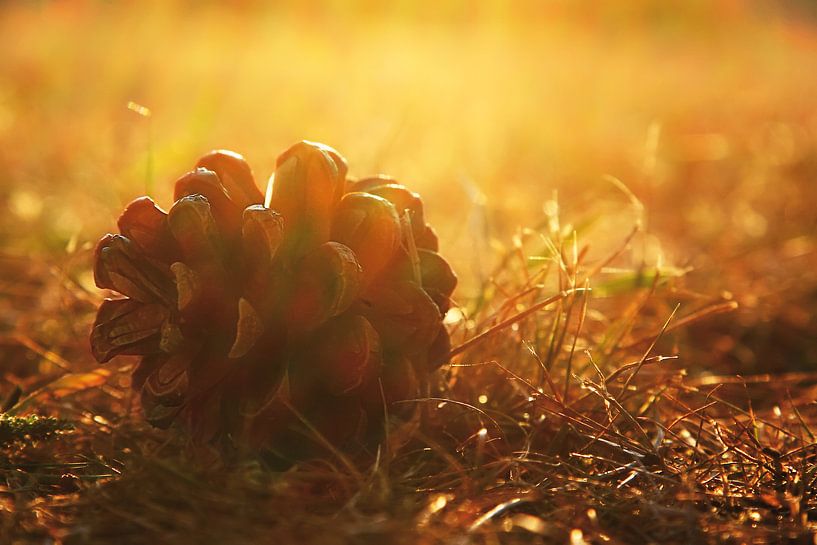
494	111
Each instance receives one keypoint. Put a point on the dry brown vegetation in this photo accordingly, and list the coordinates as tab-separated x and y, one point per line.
626	193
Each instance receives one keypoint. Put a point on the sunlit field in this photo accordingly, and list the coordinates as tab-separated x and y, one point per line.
626	192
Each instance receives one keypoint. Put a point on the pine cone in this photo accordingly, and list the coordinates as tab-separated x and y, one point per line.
257	323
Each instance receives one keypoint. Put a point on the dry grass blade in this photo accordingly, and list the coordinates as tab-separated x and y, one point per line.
630	378
704	313
508	322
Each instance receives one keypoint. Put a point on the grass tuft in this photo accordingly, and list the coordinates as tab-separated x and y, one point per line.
20	429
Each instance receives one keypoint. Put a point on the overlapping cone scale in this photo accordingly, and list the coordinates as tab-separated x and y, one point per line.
275	326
